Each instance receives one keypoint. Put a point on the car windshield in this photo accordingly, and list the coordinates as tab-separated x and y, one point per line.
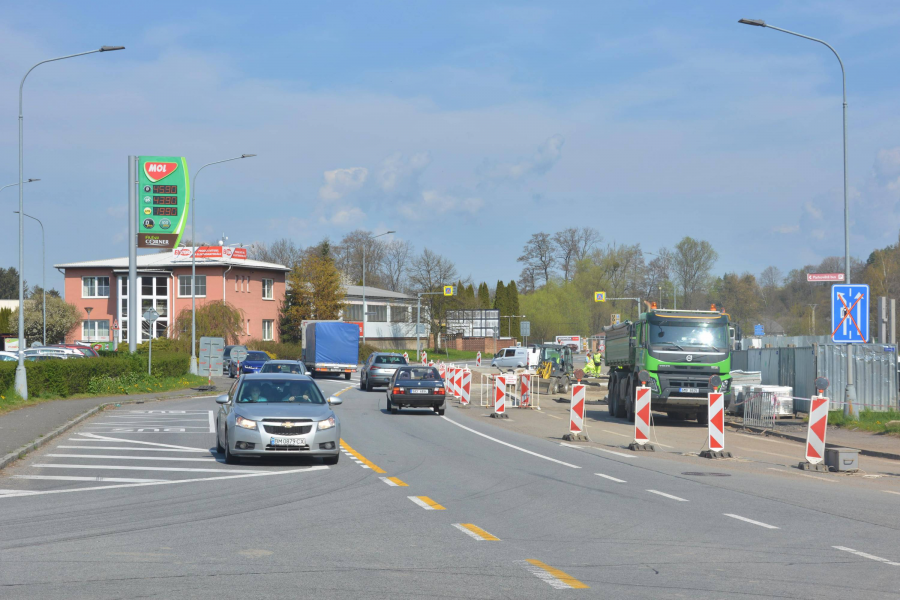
279	390
681	334
419	374
389	360
257	356
270	367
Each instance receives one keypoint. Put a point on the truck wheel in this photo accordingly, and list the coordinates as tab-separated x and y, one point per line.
567	385
703	416
629	402
346	375
611	387
620	398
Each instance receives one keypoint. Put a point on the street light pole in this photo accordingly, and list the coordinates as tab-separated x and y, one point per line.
21	377
43	272
365	310
850	391
193	367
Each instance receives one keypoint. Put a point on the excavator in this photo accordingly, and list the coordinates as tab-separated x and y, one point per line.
555	367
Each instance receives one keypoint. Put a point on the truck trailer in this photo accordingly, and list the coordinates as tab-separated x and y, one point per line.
680	349
330	347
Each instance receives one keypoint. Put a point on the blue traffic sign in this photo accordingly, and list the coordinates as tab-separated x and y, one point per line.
850	313
758	330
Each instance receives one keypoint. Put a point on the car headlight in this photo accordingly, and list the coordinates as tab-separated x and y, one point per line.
245	423
326	424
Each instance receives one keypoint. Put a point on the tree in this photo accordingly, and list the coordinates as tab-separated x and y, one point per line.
314	291
62	318
572	245
739	296
397	255
500	305
512	303
539	254
769	283
214	319
428	272
37	292
588	238
692	262
283	252
9	284
348	256
6	323
484	296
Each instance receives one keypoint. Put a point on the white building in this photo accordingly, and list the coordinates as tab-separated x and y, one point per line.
391	322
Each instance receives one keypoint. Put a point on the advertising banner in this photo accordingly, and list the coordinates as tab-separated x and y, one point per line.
211	252
163	198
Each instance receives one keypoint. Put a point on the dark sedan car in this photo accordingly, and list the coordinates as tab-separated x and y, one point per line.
416	387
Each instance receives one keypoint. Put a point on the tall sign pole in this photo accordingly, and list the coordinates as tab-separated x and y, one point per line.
133	324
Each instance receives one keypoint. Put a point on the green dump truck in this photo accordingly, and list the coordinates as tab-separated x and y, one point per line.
681	349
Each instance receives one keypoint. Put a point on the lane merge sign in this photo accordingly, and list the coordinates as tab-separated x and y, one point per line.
850	313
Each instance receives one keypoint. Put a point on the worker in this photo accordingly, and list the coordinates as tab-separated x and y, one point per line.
594	366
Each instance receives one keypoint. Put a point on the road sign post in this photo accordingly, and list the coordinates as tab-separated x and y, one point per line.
150	316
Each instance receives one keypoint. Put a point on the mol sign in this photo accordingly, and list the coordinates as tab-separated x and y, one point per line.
163	198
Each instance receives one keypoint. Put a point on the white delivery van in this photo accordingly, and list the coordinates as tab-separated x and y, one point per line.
510	358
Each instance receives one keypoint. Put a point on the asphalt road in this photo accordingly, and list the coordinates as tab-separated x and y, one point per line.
136	503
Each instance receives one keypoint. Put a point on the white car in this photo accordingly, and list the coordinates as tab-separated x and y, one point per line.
4	356
63	353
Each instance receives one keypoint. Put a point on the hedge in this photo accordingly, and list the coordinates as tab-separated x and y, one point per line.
62	378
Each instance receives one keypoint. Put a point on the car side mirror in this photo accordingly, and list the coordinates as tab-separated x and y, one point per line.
334	400
223	399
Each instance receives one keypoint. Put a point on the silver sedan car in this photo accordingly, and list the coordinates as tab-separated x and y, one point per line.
268	414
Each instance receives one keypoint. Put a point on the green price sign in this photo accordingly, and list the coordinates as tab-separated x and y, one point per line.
163	199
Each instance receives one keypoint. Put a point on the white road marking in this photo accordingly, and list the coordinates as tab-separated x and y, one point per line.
791	472
611	478
130	468
170	482
745	519
212	422
665	495
866	555
421	503
512	446
600	449
129	449
4	493
104	438
389	482
545	576
65	478
891	492
114	457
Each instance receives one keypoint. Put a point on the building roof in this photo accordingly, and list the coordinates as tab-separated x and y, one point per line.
356	291
167	260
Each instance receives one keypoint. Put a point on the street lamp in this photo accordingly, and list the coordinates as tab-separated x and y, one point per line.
850	392
21	377
194	242
371	237
43	271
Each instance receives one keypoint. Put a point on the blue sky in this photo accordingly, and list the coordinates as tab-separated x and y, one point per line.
465	126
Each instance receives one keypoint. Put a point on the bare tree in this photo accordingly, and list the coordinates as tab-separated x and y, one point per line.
770	281
283	252
397	256
588	238
692	262
349	257
539	254
428	272
526	280
567	242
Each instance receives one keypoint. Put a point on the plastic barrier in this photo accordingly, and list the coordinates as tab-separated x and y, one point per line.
457	383
815	435
442	369
406	357
642	415
466	390
716	421
525	390
424	357
576	411
478	360
499	396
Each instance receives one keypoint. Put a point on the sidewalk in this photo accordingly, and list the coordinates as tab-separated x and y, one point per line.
26	425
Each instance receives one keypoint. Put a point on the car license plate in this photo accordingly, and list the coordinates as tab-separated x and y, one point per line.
689	390
287	441
418	391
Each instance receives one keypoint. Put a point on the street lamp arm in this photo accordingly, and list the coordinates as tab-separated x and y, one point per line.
22	84
824	43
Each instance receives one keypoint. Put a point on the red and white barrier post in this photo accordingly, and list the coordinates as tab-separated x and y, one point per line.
716	416
466	391
526	390
818	425
442	369
424	357
406	357
576	415
478	359
499	398
457	383
642	397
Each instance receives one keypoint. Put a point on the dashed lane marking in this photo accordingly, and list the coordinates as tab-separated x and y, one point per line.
622	454
111	456
557	579
426	503
610	478
746	520
476	532
507	444
168	482
665	495
394	482
891	492
866	555
365	461
65	478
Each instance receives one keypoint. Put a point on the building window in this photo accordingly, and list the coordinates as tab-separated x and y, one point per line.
95	331
184	286
399	314
353	312
268	331
377	313
248	326
95	287
268	287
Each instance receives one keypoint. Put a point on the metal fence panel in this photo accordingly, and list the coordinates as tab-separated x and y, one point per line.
804	383
759	409
739	360
874	375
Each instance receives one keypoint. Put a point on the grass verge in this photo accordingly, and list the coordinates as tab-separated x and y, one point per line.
869	420
107	386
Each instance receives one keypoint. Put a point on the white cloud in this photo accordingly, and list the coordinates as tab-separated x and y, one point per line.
811	209
340	182
436	202
351	215
397	172
786	229
547	155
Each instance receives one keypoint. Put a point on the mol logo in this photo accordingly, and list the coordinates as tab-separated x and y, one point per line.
158	170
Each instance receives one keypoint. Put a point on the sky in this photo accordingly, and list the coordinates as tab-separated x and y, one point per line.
464	126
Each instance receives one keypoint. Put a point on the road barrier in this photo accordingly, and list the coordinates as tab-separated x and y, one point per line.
815	436
525	390
576	410
716	421
518	388
499	397
642	397
457	382
466	387
442	369
424	357
478	359
406	357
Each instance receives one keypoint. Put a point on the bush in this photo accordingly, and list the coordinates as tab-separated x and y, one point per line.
365	350
62	378
277	349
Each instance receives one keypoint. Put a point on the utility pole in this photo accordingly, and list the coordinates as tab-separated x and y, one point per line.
813	317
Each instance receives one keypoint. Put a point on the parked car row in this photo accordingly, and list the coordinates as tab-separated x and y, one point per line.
52	352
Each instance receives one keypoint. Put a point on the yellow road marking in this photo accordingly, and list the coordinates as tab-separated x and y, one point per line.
476	532
396	481
559	575
361	458
344	390
426	503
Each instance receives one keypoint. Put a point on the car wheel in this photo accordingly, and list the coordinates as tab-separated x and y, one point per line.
230	459
368	386
331	460
362	386
219	448
390	407
440	411
395	410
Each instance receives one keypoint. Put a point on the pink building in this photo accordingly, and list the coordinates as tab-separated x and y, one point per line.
99	288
